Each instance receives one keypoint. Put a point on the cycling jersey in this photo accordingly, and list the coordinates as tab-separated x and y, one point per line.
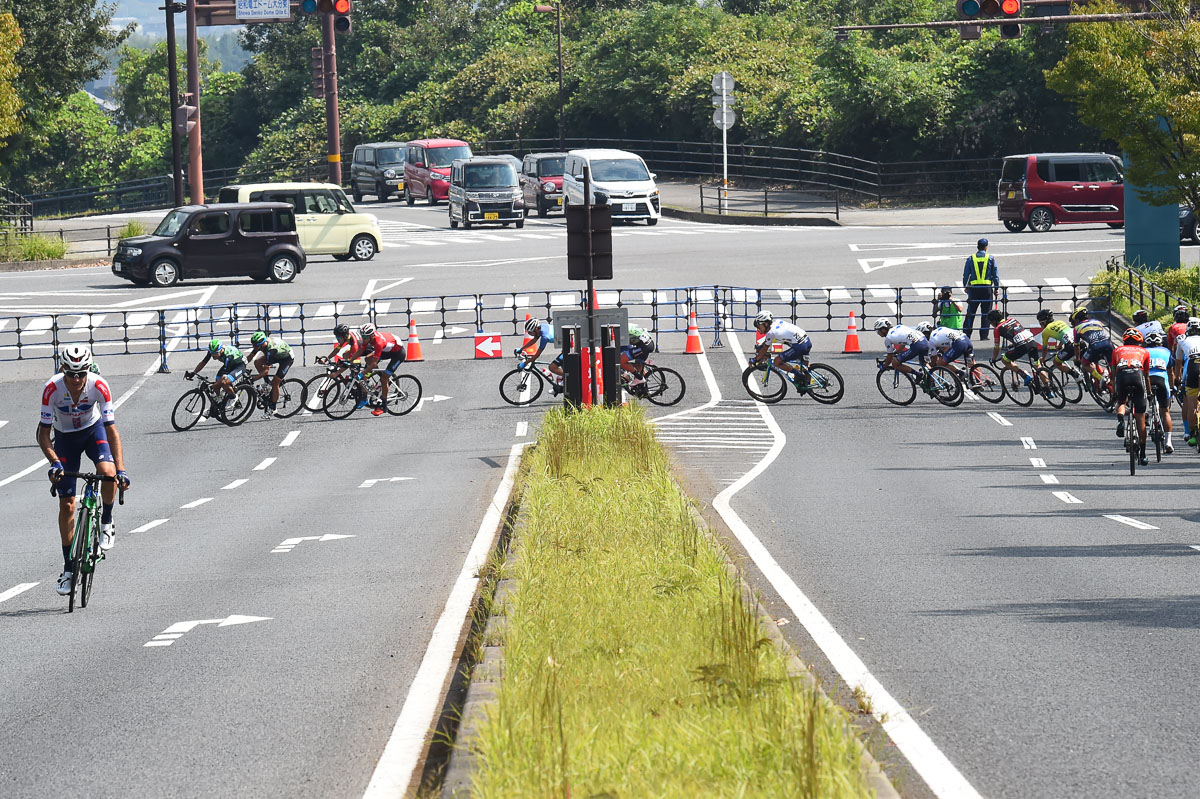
280	348
1057	331
902	337
1090	331
1187	354
785	333
1153	326
381	344
1128	358
1160	360
1012	330
351	348
67	415
1174	333
942	338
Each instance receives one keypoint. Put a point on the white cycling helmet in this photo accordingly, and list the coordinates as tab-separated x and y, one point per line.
367	330
925	328
76	358
533	326
1193	326
882	324
764	317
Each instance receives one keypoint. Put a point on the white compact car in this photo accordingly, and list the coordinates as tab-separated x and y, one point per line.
621	175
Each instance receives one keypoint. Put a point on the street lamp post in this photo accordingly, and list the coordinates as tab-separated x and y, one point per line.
172	8
556	10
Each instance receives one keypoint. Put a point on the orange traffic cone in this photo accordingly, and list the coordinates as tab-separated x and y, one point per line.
413	352
528	338
694	346
851	336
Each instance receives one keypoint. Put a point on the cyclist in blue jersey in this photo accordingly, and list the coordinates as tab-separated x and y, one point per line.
1161	361
635	353
1092	343
797	345
540	334
233	364
902	343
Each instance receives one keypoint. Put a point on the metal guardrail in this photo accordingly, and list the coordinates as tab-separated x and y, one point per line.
306	325
98	240
16	212
762	202
1143	292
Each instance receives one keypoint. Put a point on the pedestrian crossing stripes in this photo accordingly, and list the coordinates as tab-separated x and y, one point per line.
406	234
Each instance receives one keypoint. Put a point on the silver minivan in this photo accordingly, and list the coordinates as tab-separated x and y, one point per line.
485	190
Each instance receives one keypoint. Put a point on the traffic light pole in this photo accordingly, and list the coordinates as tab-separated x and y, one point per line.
173	91
195	160
333	131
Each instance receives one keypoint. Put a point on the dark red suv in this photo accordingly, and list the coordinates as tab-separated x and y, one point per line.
1042	190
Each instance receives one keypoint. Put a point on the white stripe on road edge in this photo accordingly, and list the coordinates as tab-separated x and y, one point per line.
1193	546
2	425
397	764
1037	463
1049	479
1068	497
290	438
16	589
1134	523
149	525
522	429
266	462
1000	419
1028	443
238	482
195	504
931	763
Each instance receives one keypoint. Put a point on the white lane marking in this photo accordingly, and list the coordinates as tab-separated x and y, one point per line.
158	643
195	503
375	285
288	544
1195	547
1028	443
177	630
1134	523
522	429
931	763
1037	463
149	525
1068	497
290	438
266	462
1000	419
1049	479
16	589
2	423
369	483
238	482
394	772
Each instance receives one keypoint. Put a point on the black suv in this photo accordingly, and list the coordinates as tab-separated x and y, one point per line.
378	169
255	240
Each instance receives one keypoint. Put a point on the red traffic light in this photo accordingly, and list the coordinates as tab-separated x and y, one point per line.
1010	8
343	6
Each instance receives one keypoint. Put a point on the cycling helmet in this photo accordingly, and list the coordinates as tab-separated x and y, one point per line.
1193	326
1045	316
1154	339
882	324
1182	312
342	332
258	338
367	330
1141	316
925	328
994	316
76	358
764	318
214	346
1132	336
1078	315
533	326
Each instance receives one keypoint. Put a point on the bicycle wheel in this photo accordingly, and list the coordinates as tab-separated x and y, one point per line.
663	386
986	383
404	392
1130	439
1158	443
342	399
292	397
896	386
88	568
946	387
825	383
1050	387
764	383
188	409
1071	387
522	386
237	409
78	548
1017	389
315	389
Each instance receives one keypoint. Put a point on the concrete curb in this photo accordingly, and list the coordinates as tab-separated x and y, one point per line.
728	219
55	263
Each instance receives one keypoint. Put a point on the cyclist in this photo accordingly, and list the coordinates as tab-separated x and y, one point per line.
1161	361
949	344
1092	344
1145	325
540	334
1180	314
1060	337
77	405
635	353
1131	376
1187	357
266	351
1022	341
233	365
797	346
380	346
904	343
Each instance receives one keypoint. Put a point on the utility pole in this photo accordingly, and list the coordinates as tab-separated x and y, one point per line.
333	131
195	161
171	9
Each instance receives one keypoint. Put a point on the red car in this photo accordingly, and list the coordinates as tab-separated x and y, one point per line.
427	168
541	182
1042	190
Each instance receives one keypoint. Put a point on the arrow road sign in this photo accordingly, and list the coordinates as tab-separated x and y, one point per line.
724	118
487	345
434	398
179	628
369	483
288	544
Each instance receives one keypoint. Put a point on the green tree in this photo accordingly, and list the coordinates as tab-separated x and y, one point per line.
80	147
10	101
141	87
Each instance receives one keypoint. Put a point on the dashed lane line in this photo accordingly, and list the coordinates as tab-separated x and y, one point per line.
149	525
1049	479
1037	463
1028	443
1068	497
522	429
195	503
290	438
241	481
265	463
16	589
1000	420
1134	523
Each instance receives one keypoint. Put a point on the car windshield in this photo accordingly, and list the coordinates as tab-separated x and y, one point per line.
172	223
444	156
390	155
490	176
550	168
619	169
343	200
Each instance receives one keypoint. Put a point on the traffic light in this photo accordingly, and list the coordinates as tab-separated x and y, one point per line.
577	241
308	6
1010	9
967	9
185	114
341	19
318	72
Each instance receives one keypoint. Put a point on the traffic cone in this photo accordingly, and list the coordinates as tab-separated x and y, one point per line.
851	336
694	346
528	338
413	351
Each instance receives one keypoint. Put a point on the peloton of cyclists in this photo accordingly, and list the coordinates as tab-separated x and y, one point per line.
796	342
1131	378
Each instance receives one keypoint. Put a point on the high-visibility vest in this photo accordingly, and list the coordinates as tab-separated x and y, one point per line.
980	264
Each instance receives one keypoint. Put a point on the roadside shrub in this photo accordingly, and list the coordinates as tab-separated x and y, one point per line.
39	248
132	228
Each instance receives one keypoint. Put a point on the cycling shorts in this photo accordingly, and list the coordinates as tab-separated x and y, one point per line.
1131	388
1162	392
233	371
637	352
285	362
798	351
1064	354
1191	375
957	350
392	359
70	448
1020	351
920	348
1098	351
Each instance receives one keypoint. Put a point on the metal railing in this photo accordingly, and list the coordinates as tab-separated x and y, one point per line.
306	325
764	202
16	212
1142	292
101	240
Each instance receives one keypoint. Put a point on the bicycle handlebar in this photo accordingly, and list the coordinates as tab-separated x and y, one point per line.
91	477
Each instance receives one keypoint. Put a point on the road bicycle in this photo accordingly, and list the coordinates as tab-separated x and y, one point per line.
1099	390
1155	430
981	380
1135	448
766	382
291	395
523	385
900	388
209	400
85	546
660	385
1070	380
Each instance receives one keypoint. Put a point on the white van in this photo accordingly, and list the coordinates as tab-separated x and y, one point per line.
326	221
621	175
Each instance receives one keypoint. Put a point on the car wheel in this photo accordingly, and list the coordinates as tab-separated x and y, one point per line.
1116	225
1041	220
283	268
1195	231
362	248
408	198
357	194
651	222
466	222
1014	226
429	198
381	193
520	223
164	272
342	256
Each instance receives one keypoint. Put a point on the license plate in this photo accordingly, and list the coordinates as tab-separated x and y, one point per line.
628	206
1012	194
491	215
559	200
117	268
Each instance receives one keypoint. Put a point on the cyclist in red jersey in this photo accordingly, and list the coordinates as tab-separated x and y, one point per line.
1174	332
1023	344
1131	383
347	346
378	346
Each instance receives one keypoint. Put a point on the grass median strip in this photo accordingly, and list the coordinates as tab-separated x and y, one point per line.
632	665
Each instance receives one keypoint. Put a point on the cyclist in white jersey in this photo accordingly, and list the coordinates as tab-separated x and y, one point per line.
948	345
77	406
1146	325
797	346
903	344
1187	355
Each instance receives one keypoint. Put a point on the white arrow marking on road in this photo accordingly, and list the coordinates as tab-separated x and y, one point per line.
179	628
1193	546
1000	419
156	298
1028	443
870	265
149	525
434	398
290	438
369	483
1068	497
16	589
1049	479
490	346
266	462
374	287
1131	522
1037	463
288	544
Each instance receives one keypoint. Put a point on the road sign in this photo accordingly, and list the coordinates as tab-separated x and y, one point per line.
719	100
487	345
288	544
722	83
263	9
179	628
724	118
